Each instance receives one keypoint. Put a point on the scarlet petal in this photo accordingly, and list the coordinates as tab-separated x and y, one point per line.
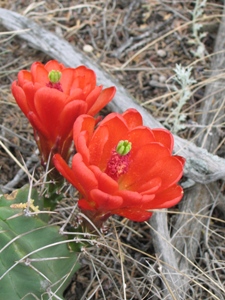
64	169
170	170
181	159
151	186
134	199
164	137
133	118
85	205
75	94
54	65
141	165
79	176
86	77
81	147
104	98
139	137
105	183
66	80
136	215
68	116
38	125
117	130
83	123
30	89
85	178
39	73
23	77
98	155
167	198
20	97
93	96
105	201
49	104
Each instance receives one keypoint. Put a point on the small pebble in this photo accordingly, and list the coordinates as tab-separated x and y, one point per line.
162	78
161	53
87	48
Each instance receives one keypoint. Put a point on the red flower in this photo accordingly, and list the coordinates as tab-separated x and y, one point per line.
123	167
52	96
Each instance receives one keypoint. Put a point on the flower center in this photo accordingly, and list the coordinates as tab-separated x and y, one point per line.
119	161
54	80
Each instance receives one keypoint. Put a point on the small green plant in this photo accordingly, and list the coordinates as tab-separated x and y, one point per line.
175	120
197	34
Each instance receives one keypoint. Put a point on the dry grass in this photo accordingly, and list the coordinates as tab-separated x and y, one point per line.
139	43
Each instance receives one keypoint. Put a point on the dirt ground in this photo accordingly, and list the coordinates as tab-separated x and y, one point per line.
139	43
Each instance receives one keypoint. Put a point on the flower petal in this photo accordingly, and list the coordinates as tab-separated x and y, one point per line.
164	137
98	155
81	147
105	201
79	176
69	114
85	205
141	164
151	186
39	126
23	77
64	169
66	80
85	178
83	123
105	183
39	73
30	89
167	198
20	97
104	98
139	137
134	199
133	118
136	215
92	97
170	170
49	104
85	79
54	65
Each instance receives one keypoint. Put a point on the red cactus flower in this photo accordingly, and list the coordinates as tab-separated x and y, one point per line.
52	96
122	167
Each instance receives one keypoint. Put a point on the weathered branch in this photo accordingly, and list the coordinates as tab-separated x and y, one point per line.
201	166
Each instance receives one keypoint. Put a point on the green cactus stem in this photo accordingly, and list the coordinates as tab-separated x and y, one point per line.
35	262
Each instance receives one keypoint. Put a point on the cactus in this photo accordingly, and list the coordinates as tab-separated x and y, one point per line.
35	262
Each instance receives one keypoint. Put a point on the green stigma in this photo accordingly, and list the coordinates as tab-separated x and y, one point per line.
54	76
123	147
